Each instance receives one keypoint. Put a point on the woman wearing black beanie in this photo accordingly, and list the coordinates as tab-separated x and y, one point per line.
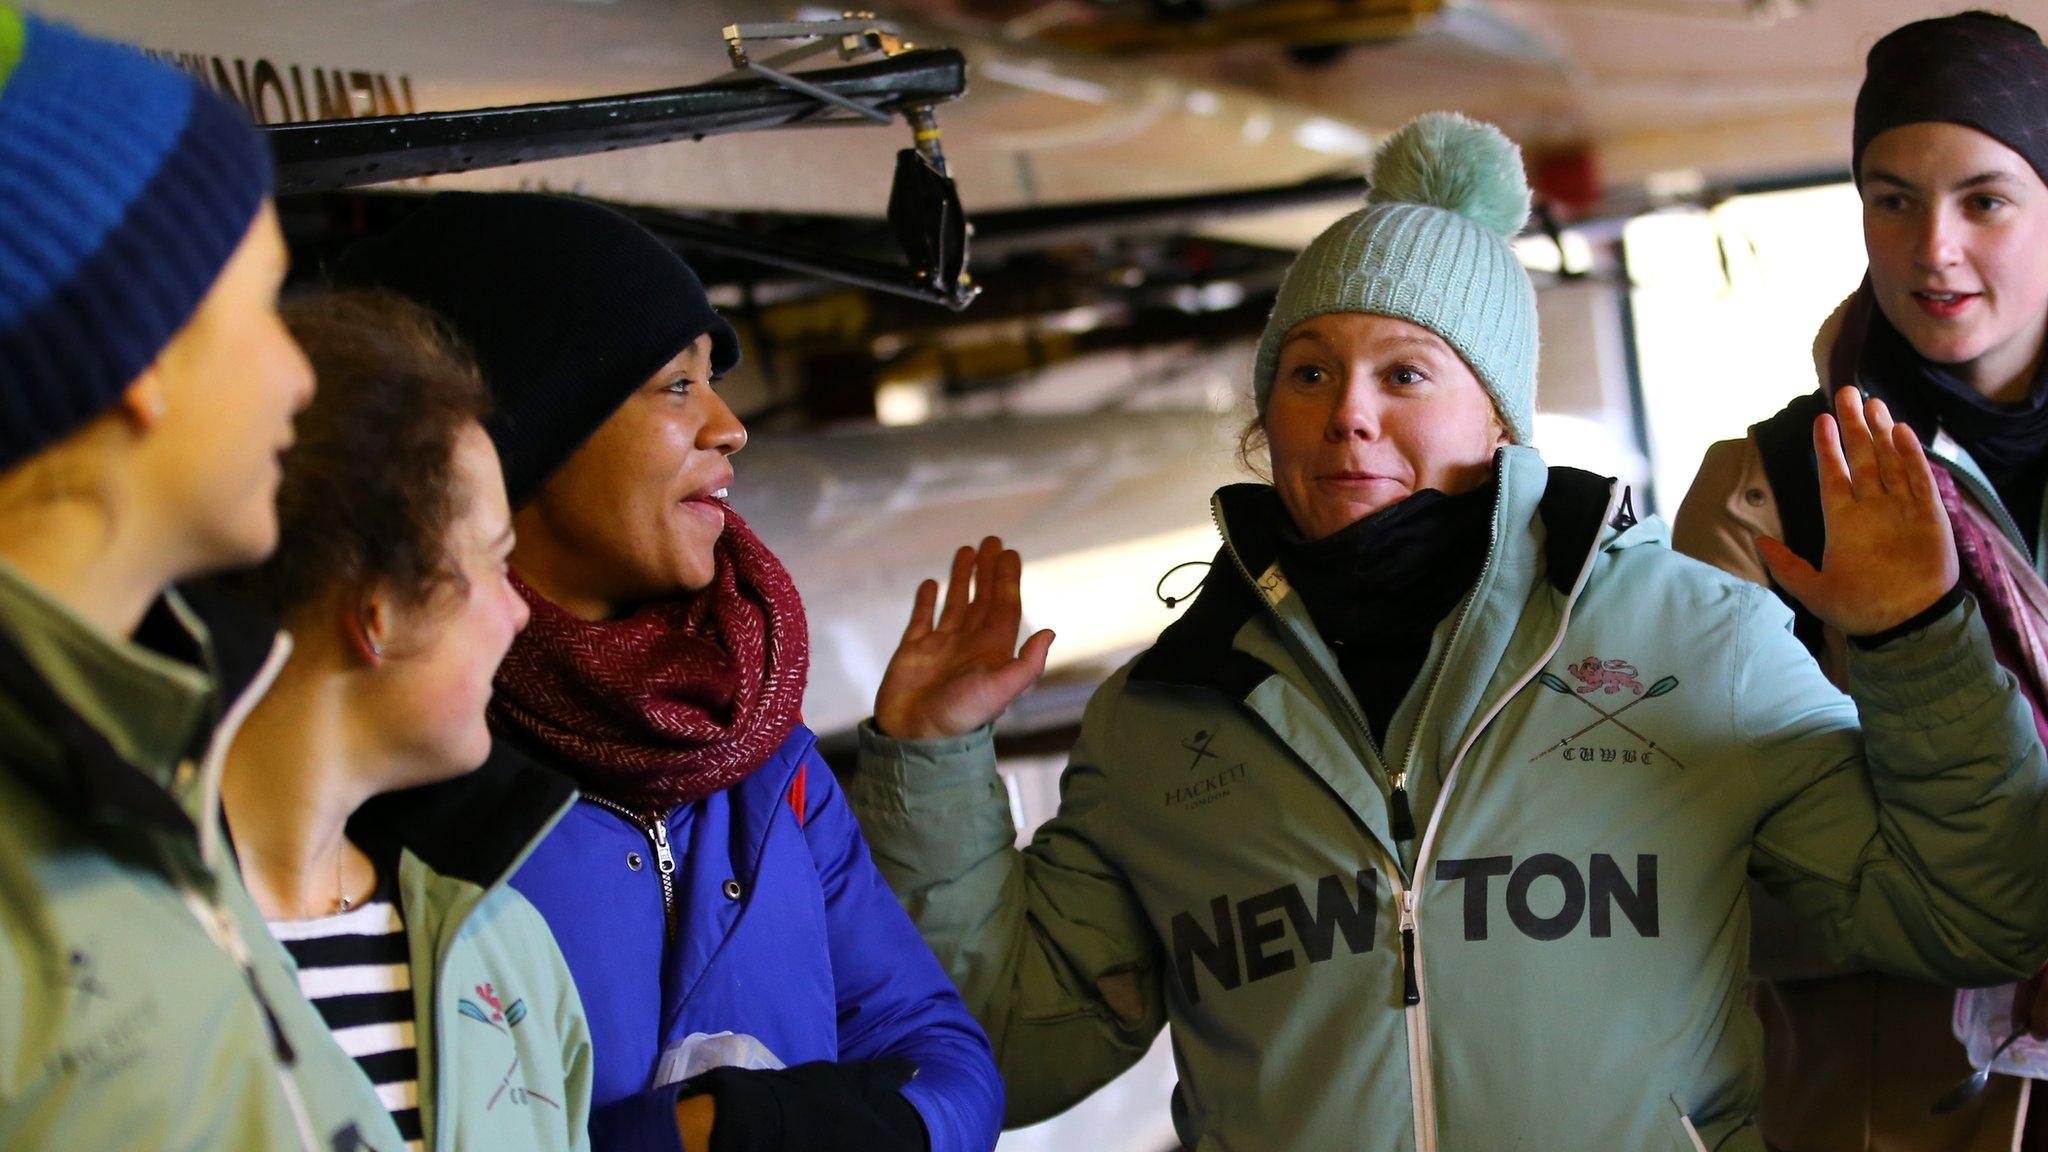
711	891
1950	154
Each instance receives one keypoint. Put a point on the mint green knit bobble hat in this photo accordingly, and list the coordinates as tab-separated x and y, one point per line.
1430	247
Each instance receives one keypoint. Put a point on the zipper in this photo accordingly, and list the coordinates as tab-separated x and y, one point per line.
1983	493
220	929
1401	813
656	832
1521	682
1413	1000
213	919
1692	1133
1401	818
1436	677
1411	988
1422	1091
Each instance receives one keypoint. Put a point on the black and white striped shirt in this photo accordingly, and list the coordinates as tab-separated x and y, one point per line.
354	968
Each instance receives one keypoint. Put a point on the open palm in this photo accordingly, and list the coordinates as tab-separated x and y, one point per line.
954	674
1889	552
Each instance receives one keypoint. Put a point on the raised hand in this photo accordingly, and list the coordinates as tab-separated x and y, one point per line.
951	676
1889	554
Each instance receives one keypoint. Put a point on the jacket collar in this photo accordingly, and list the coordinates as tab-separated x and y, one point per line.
1548	525
1198	649
123	715
479	827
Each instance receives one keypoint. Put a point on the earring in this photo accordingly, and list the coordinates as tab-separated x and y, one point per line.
376	649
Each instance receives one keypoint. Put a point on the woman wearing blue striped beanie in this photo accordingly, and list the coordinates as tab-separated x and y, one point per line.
146	389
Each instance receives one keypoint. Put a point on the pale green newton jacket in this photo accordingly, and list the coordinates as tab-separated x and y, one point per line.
143	1004
1607	740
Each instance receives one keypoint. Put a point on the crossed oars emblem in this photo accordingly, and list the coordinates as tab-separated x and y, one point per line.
1660	688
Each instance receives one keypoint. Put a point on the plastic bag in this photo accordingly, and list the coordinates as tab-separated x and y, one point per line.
1982	1021
702	1051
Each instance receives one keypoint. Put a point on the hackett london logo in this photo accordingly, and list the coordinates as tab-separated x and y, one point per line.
1215	783
1606	678
82	975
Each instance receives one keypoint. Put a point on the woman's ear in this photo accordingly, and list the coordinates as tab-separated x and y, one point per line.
144	401
369	618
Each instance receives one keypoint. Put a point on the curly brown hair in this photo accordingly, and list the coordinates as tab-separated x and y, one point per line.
369	487
1251	447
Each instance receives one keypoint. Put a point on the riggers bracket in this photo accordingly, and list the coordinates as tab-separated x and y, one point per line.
853	36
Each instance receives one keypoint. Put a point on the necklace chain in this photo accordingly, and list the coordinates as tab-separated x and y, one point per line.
341	901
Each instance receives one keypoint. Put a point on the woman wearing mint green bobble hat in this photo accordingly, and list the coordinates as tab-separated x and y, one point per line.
1428	824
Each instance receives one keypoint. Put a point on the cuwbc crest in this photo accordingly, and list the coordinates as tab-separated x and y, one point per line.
1610	676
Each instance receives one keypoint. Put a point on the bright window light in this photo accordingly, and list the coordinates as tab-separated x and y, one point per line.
1100	600
1321	134
898	403
1582	442
1538	253
1726	306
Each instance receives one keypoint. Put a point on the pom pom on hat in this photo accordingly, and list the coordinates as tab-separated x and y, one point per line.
1444	160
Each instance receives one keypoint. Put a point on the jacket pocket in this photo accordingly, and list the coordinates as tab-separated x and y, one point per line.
1684	1136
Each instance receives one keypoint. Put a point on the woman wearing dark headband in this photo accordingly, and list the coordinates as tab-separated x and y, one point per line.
1950	155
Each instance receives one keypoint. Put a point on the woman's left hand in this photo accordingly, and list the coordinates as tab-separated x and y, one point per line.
1889	553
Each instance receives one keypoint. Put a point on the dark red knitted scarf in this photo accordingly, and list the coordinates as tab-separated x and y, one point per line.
679	700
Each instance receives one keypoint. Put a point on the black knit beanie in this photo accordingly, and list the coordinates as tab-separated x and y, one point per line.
1976	69
569	306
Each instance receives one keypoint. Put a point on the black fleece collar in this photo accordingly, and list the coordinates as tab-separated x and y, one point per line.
94	781
476	827
1196	651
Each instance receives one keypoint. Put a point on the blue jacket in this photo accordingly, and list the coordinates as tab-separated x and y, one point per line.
785	932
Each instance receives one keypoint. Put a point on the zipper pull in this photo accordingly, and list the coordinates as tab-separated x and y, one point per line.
279	1044
1411	991
663	860
1402	819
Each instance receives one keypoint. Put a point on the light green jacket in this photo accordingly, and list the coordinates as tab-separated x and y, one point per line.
504	1047
143	1004
1608	740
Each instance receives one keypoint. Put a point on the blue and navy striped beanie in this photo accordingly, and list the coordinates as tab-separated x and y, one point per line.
124	189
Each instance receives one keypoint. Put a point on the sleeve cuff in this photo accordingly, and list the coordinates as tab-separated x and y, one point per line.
1936	675
917	770
1920	620
643	1122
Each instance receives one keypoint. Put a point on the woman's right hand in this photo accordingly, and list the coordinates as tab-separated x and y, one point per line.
953	675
